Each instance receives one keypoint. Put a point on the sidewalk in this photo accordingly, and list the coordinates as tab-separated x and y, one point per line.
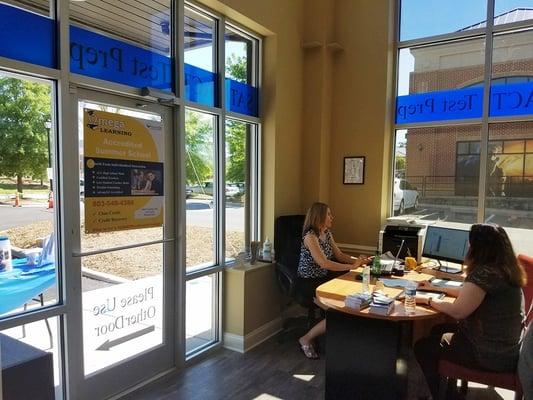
26	200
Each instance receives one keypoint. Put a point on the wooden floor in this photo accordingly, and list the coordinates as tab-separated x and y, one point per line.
270	371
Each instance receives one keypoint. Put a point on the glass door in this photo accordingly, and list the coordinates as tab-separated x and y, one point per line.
126	242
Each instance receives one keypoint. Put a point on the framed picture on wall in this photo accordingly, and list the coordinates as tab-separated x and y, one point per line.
354	170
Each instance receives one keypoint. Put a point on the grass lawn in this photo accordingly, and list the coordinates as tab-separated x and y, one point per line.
9	186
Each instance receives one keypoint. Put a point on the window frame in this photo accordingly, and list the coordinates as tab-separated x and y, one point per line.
488	33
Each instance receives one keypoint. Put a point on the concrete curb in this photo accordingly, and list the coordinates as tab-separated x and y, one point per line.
102	276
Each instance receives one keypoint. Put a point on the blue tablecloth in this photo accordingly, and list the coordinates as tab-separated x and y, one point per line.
23	283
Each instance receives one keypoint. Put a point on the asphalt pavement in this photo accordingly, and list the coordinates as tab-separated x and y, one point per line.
198	213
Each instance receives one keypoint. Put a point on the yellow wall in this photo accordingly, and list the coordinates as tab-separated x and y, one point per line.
326	92
361	120
281	24
320	104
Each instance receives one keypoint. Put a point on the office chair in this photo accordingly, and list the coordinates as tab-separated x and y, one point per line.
506	380
287	242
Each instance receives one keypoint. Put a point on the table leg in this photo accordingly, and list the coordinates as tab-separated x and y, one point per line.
366	357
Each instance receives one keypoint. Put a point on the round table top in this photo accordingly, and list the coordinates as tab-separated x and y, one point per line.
333	293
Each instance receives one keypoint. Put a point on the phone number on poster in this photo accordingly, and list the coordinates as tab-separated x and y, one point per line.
102	203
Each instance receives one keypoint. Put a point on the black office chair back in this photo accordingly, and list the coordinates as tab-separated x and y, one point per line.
288	239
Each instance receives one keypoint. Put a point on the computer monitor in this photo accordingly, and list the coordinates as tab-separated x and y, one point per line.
446	244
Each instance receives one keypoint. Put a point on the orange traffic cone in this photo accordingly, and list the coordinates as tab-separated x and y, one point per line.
17	201
50	200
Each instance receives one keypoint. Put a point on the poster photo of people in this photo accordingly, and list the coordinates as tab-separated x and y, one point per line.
146	182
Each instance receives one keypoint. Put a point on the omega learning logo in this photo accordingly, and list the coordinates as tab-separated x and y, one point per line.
106	125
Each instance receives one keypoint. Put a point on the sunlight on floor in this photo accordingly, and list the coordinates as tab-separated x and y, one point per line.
266	396
306	378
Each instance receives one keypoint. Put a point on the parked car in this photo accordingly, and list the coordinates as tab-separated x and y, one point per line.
188	192
405	196
232	190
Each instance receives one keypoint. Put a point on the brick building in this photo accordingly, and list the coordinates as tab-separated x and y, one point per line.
444	161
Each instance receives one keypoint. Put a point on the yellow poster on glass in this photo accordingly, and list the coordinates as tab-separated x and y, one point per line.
123	172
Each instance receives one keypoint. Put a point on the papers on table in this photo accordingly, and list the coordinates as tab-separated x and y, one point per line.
445	283
358	301
381	304
399	283
388	256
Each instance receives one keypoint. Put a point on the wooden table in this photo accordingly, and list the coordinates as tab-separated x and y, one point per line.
366	353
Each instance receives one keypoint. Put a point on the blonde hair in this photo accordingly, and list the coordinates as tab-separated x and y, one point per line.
315	218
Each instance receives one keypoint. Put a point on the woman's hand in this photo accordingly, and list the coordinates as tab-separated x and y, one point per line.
421	299
426	285
362	260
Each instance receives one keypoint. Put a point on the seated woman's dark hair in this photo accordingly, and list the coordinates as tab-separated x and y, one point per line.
316	215
491	247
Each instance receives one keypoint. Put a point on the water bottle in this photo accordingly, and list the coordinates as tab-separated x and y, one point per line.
5	254
410	294
267	250
376	264
366	279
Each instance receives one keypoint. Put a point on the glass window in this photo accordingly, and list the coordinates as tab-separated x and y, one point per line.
124	311
435	17
238	137
509	11
200	176
512	57
199	57
28	274
123	43
437	173
28	33
241	72
201	313
434	80
37	342
510	176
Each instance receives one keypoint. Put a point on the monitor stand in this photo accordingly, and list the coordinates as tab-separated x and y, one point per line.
450	269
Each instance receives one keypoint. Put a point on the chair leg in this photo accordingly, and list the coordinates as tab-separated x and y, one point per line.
443	387
464	387
24	325
41	300
310	317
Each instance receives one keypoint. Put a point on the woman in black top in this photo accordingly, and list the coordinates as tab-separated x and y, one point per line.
317	255
489	309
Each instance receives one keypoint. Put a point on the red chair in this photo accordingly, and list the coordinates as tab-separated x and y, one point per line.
527	263
450	370
506	380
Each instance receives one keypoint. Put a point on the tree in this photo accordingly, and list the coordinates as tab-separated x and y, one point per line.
236	151
198	148
235	130
24	108
236	68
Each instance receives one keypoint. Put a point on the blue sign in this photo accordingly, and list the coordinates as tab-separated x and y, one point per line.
440	106
515	99
31	38
505	100
241	98
98	56
27	37
200	85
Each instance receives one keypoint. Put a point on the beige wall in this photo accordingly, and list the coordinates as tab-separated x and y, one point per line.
325	95
281	24
361	120
321	104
